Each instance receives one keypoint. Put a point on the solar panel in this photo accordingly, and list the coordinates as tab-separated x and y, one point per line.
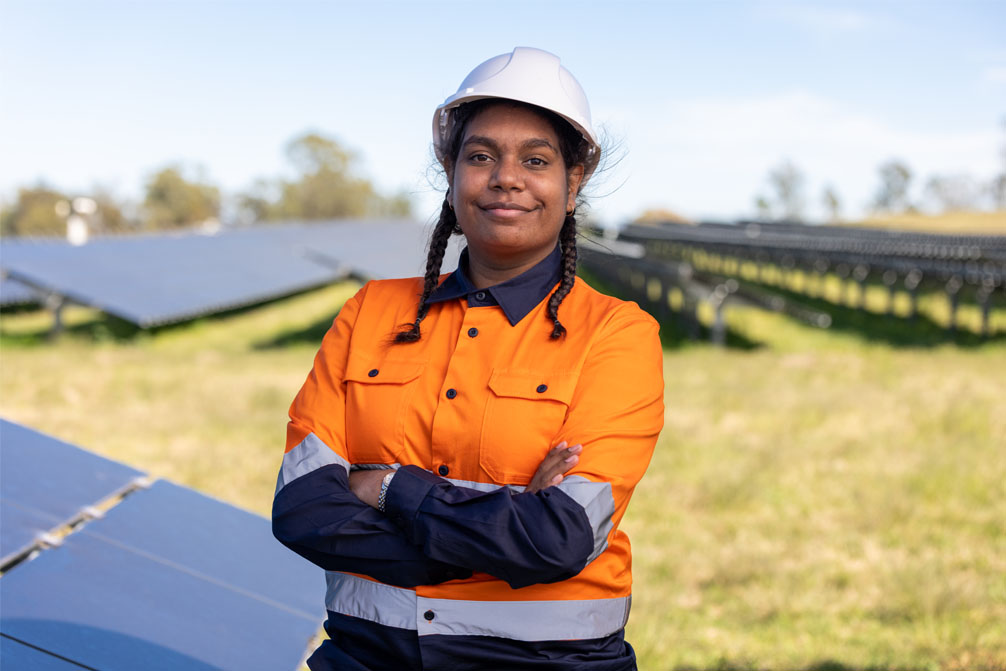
376	249
150	280
167	578
216	540
46	483
106	606
157	279
16	655
13	292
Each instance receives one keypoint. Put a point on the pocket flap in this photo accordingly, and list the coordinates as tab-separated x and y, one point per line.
374	371
534	385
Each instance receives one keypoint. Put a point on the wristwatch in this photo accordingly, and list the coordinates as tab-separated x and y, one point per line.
384	490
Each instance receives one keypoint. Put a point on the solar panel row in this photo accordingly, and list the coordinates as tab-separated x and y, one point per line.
158	279
166	579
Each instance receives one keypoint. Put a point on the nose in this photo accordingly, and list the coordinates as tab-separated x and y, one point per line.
506	174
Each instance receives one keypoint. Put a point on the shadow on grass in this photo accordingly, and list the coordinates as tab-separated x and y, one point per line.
311	334
823	665
103	327
892	330
677	330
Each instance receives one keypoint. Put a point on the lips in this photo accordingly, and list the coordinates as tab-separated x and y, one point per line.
505	206
504	211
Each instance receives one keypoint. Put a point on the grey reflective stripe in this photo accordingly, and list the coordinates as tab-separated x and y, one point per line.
369	600
516	620
310	455
483	486
597	502
373	467
525	620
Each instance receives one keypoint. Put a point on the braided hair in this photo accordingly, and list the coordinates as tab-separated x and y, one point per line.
567	244
574	149
446	226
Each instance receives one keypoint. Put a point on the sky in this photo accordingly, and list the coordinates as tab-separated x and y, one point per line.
699	100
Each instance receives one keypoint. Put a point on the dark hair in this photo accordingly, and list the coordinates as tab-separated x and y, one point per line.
574	149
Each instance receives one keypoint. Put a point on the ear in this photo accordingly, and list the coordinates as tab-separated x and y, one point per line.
574	179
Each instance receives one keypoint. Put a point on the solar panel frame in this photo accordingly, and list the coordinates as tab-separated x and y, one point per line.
46	483
13	292
17	656
107	606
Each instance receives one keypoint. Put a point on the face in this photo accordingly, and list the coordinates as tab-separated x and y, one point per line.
510	188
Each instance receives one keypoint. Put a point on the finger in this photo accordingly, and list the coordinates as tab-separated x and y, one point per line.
554	481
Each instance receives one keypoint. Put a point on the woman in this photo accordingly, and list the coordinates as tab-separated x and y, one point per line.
428	465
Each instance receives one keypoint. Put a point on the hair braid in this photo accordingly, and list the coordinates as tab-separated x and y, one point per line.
434	258
567	243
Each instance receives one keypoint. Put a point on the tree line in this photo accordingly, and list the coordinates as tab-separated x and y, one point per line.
327	186
786	197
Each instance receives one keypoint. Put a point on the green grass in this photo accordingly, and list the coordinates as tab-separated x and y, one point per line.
825	500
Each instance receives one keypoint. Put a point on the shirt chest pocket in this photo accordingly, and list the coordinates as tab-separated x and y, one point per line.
377	397
524	413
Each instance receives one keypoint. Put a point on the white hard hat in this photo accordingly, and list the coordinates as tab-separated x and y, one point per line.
527	75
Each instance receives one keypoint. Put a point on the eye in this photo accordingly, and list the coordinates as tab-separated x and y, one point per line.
480	157
537	162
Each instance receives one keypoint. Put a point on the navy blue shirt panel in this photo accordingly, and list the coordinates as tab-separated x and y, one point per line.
358	645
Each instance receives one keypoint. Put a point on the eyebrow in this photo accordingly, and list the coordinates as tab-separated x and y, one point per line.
527	144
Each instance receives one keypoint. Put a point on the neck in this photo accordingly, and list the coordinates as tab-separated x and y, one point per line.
485	273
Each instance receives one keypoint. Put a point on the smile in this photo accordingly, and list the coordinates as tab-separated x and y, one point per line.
504	210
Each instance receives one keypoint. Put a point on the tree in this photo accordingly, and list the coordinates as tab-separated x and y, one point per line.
997	189
787	181
895	178
327	187
832	203
34	213
953	193
172	201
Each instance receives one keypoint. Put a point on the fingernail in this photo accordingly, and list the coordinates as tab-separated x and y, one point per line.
576	449
556	480
573	459
561	445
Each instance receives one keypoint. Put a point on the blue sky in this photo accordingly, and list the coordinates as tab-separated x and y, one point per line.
702	98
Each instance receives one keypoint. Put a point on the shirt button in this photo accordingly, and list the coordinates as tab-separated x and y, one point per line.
429	615
542	388
451	393
472	332
373	372
480	295
443	470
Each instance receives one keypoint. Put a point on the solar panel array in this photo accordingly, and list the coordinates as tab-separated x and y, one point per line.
158	279
166	578
978	260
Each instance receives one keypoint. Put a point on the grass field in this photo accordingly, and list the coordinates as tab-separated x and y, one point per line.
823	500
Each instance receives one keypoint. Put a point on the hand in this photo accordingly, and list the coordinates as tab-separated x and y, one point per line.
366	484
555	464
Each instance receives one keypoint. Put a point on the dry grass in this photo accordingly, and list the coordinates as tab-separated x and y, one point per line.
984	223
819	503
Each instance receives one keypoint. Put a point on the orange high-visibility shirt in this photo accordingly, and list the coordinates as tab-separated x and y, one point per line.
476	404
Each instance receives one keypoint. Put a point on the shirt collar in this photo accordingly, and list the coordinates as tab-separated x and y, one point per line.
516	297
